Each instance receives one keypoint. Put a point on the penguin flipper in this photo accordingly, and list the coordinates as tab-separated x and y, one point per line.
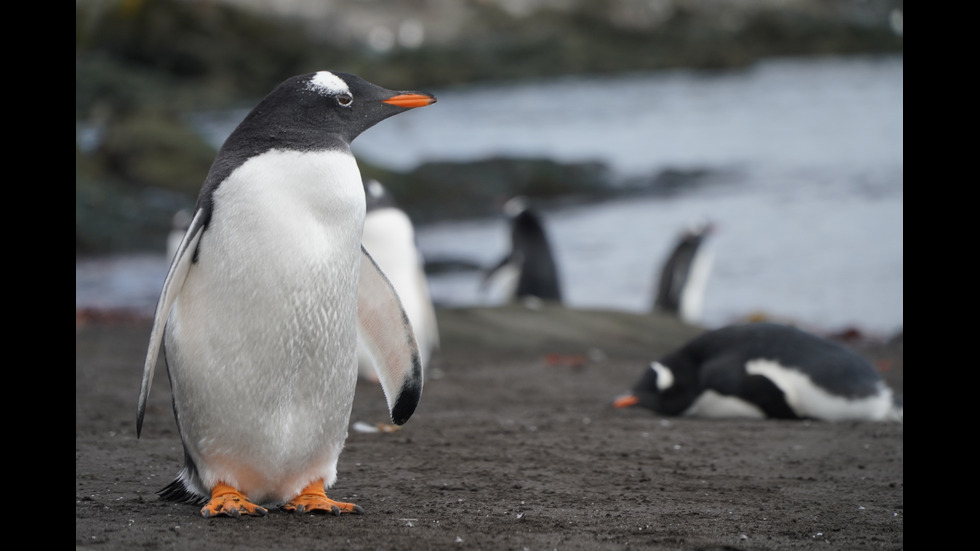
386	334
758	390
491	272
171	288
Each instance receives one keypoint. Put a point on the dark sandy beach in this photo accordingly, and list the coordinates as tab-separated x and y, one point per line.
514	446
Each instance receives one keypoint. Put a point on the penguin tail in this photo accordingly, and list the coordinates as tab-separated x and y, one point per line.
179	492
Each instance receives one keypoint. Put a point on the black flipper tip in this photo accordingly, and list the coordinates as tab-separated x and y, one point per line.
408	400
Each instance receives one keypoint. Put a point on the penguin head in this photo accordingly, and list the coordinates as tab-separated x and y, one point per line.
526	226
315	109
649	391
359	103
699	229
377	195
515	206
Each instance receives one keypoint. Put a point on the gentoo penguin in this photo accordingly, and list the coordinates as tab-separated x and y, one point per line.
684	275
529	269
759	370
269	292
389	237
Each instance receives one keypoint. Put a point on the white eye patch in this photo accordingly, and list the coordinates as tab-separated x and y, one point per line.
328	84
665	377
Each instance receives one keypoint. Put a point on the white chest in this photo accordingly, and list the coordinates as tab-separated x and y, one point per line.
279	262
299	201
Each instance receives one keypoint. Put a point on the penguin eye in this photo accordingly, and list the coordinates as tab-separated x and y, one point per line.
345	100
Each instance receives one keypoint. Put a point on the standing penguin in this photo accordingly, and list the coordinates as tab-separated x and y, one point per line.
260	313
529	269
684	275
759	370
389	237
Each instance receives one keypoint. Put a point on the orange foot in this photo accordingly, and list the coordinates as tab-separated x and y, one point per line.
228	501
313	499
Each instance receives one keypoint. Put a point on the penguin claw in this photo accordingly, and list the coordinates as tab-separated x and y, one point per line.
313	499
229	502
322	506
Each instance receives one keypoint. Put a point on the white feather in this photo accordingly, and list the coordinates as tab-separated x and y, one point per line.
261	340
810	400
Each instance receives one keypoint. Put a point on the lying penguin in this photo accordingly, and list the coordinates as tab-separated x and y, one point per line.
760	370
269	291
389	238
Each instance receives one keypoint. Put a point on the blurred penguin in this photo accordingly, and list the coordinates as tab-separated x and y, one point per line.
389	238
528	271
764	370
684	275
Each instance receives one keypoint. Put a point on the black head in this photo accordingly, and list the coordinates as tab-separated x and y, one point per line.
311	112
667	387
321	110
378	196
648	389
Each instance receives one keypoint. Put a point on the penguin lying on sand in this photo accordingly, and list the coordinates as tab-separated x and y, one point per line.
389	238
529	269
270	288
759	370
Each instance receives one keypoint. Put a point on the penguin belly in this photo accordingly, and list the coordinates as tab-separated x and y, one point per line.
261	343
692	296
712	405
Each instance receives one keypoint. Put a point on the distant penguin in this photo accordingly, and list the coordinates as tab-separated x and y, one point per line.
684	275
267	298
764	370
529	269
389	238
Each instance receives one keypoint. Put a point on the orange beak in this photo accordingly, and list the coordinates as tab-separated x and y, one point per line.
409	101
625	401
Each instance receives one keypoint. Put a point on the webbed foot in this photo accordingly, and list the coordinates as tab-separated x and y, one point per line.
313	499
228	501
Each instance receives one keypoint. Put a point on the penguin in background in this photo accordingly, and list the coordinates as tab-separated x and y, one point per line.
389	237
684	274
267	297
764	370
529	270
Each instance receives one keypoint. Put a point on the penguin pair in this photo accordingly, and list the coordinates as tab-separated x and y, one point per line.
764	370
528	270
389	237
684	275
270	294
